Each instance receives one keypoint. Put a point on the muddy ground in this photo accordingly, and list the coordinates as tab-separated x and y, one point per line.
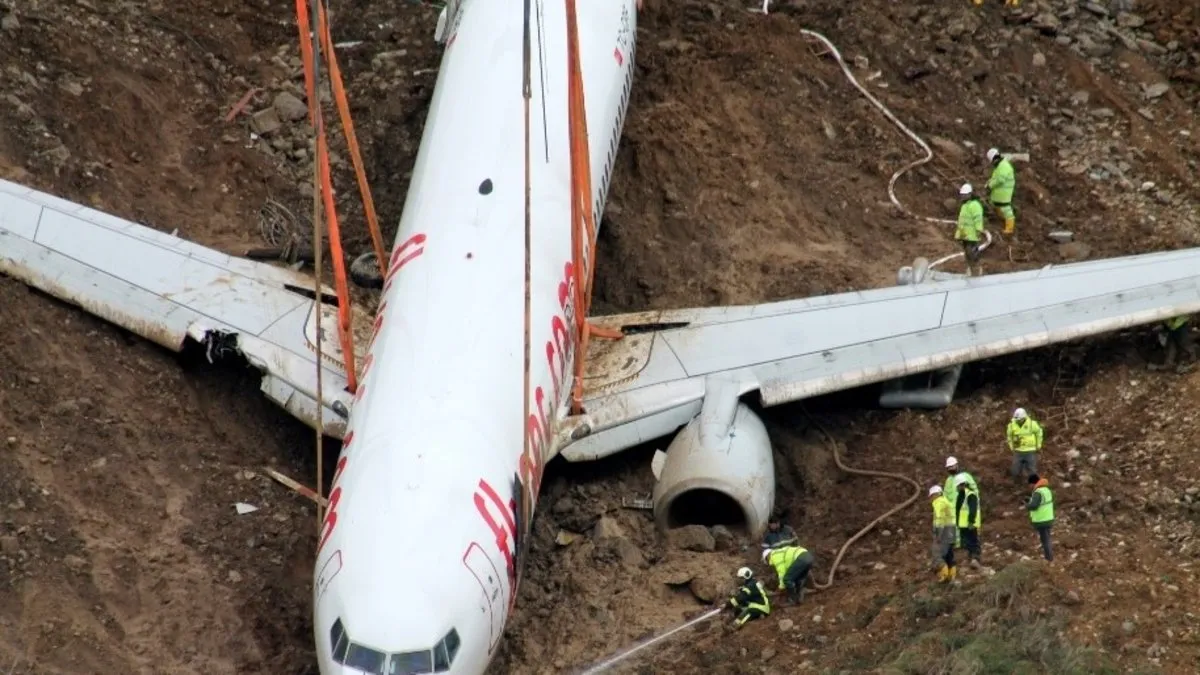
751	170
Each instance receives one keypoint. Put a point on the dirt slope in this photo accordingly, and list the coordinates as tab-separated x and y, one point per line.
751	170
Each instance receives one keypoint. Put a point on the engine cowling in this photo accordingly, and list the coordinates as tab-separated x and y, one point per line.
718	470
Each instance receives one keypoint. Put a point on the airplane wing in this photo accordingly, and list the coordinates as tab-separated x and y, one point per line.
169	291
653	380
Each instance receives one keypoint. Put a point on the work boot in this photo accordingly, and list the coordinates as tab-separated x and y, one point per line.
953	573
1009	226
943	574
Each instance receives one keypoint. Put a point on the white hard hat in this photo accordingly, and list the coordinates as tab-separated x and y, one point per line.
966	189
960	479
951	462
744	573
1019	414
935	490
766	554
991	154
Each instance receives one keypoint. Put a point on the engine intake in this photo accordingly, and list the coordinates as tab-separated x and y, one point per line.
718	470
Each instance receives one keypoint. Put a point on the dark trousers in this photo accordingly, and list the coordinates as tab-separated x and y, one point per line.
796	575
1023	461
1043	530
970	540
947	551
1180	340
748	615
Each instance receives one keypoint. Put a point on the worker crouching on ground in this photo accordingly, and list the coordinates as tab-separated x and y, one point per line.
1024	436
970	228
969	518
1041	512
1001	185
792	564
1178	339
750	600
950	491
778	535
944	534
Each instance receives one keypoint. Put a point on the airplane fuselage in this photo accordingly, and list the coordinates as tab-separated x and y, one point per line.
433	494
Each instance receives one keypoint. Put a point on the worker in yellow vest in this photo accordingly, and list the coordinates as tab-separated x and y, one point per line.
792	564
969	517
1178	339
1024	437
950	491
944	534
1041	512
750	601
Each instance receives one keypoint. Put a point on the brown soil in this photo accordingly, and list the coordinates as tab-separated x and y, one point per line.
751	171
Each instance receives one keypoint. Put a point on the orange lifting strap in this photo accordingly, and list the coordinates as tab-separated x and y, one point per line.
583	221
345	333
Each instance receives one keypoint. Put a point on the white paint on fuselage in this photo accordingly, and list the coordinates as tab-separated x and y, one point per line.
407	553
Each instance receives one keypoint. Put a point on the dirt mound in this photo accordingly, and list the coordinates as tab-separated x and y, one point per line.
751	170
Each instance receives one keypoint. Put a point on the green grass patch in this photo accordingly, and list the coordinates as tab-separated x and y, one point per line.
996	628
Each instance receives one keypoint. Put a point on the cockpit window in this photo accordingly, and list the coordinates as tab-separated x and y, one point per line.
365	659
444	652
338	642
374	662
411	663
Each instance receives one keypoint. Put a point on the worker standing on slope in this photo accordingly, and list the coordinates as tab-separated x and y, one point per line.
1025	441
969	516
778	535
970	228
944	534
750	599
1178	339
792	564
1002	184
951	491
1041	512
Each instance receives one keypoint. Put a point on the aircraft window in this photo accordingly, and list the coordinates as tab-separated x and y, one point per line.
445	651
365	659
338	641
411	663
441	659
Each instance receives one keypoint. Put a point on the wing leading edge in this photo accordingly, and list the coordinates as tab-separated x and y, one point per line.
168	290
650	382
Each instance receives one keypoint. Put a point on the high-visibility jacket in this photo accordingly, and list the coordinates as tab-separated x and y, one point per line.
970	221
751	595
1002	183
967	507
951	492
1044	511
943	512
1025	437
1177	322
782	558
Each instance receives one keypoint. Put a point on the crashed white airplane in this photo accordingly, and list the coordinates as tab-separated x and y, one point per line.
432	499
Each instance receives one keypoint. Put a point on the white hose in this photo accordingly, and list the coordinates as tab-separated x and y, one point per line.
624	654
906	131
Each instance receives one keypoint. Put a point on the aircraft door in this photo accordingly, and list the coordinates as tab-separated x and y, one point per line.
491	584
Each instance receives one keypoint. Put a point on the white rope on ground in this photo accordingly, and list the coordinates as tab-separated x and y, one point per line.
837	55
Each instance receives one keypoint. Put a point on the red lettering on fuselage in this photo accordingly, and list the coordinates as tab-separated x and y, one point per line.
335	496
405	252
502	535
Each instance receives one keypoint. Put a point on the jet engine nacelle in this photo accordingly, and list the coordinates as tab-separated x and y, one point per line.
718	470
